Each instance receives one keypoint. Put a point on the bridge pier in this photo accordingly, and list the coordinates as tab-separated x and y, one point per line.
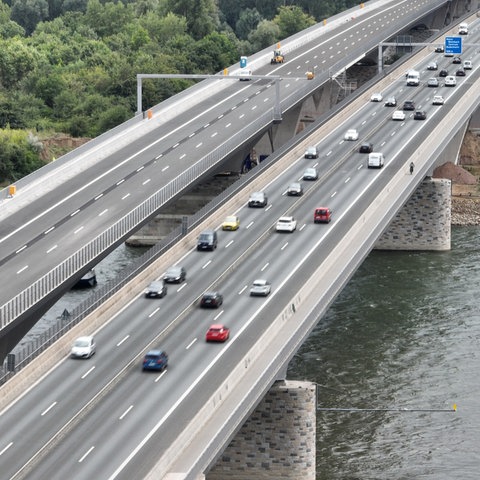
424	222
277	441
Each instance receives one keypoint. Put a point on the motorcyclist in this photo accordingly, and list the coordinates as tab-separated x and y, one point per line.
412	166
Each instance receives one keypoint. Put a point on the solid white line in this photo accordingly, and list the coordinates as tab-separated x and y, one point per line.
48	409
190	344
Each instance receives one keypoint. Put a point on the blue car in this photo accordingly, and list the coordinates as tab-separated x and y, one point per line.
155	360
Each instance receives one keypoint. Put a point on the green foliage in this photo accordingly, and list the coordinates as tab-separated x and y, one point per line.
248	21
291	20
267	33
19	155
28	13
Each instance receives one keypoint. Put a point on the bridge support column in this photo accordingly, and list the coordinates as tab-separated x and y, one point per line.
424	222
277	441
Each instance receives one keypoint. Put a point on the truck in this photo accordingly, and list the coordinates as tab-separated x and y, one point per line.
463	29
413	78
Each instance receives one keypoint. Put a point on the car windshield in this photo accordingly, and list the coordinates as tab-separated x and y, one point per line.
82	343
259	283
204	237
231	219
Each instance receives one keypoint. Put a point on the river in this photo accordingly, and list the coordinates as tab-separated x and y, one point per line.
403	334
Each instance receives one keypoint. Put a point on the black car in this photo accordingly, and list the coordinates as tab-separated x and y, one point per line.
443	73
460	72
408	105
175	274
457	60
156	289
366	147
211	300
420	115
207	240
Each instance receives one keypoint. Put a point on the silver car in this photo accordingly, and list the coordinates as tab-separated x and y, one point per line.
295	189
310	174
432	82
83	347
260	288
311	152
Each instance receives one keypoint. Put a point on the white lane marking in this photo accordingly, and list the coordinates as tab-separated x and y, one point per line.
78	230
139	169
182	156
159	156
160	376
254	107
146	181
347	180
360	166
328	153
218	315
207	264
175	146
228	125
206	125
181	287
242	115
268	208
165	168
88	372
6	448
120	182
125	196
103	213
265	266
154	312
124	339
243	289
48	231
22	269
220	116
249	225
315	165
86	454
333	194
214	134
199	145
98	196
229	243
48	409
125	413
284	246
51	249
302	227
190	344
20	249
191	135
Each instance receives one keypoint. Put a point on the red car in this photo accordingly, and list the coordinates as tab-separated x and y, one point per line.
322	215
217	333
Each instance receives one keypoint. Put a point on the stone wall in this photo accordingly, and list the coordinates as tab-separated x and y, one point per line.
424	222
277	441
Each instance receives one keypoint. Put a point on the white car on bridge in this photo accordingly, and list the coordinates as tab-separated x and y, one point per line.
286	224
351	134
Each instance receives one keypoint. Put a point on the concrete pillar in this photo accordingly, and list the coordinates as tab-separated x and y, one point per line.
424	222
277	441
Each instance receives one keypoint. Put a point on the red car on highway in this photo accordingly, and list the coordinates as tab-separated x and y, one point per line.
217	333
322	215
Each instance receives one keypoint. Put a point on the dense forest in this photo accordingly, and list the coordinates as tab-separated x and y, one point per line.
70	65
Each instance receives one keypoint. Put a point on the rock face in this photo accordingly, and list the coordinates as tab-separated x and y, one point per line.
455	173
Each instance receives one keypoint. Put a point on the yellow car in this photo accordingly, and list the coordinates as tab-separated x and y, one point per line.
231	223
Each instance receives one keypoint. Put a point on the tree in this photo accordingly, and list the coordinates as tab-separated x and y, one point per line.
267	33
16	60
28	13
162	29
291	20
109	18
248	21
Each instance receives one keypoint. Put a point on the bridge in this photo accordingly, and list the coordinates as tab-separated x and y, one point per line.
79	208
291	311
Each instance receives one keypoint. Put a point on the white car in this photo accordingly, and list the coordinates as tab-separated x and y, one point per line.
467	65
286	224
376	97
398	115
260	288
311	152
432	66
351	134
450	81
310	174
245	74
438	100
83	347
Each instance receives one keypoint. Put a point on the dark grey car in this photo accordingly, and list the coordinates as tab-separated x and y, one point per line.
156	289
175	274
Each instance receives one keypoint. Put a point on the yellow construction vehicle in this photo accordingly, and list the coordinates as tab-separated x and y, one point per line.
277	57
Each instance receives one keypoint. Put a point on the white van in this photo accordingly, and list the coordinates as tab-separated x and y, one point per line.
375	160
450	81
463	29
467	65
413	78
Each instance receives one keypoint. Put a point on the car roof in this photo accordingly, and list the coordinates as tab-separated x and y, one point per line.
216	326
155	353
211	294
259	281
84	337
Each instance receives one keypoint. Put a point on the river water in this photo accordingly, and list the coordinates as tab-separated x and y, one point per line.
403	335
